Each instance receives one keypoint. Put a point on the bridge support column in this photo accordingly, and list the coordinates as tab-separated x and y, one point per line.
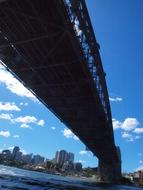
110	172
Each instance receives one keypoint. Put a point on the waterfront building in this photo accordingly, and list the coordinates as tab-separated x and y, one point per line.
18	156
62	156
26	158
56	157
6	155
77	166
66	157
16	149
70	157
68	166
37	159
138	176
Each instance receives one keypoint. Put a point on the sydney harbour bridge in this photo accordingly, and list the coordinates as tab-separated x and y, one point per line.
50	46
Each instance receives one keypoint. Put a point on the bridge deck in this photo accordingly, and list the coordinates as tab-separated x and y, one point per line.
39	45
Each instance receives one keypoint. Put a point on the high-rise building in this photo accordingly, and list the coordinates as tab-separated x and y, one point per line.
26	158
16	149
62	156
68	166
56	157
18	156
37	159
70	157
66	158
77	166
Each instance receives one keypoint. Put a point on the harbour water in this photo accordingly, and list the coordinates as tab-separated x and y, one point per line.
18	179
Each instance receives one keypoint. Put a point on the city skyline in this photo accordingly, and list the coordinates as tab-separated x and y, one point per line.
16	154
25	122
62	159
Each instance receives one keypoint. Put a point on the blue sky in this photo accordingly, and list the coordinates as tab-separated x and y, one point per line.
118	28
27	123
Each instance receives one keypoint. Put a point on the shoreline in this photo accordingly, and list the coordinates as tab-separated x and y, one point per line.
90	180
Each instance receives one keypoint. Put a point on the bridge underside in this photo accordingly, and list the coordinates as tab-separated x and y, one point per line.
38	44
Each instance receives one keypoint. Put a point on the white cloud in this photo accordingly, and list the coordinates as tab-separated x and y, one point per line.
116	124
7	106
41	122
129	127
5	133
139	168
116	99
75	137
140	154
23	151
15	136
13	84
23	104
6	116
140	162
24	125
129	124
138	130
53	128
82	152
10	148
69	134
126	135
27	120
129	137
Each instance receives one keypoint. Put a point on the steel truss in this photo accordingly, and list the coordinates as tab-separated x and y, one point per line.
80	20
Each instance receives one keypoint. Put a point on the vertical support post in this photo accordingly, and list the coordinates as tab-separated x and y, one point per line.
110	172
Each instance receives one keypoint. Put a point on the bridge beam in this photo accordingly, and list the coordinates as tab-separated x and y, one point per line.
110	172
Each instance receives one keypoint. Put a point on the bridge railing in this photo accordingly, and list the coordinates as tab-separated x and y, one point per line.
80	20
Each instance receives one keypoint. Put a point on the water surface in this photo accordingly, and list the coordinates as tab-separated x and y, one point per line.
18	179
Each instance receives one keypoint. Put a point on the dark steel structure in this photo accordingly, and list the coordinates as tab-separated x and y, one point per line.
51	47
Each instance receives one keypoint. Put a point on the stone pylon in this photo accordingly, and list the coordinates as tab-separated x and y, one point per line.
110	172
